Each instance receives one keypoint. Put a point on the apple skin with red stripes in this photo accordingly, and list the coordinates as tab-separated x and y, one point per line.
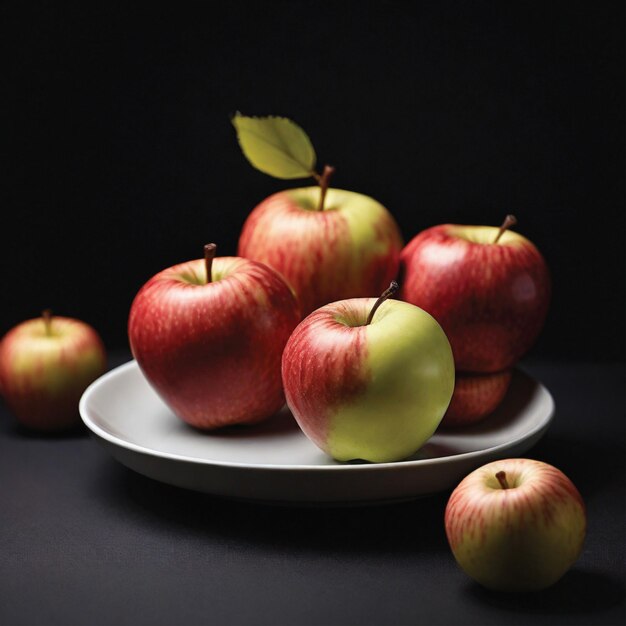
519	537
374	392
212	351
350	249
490	298
45	367
475	397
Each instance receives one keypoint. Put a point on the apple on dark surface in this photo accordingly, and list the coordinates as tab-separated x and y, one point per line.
45	365
328	244
368	379
475	397
516	525
489	289
209	334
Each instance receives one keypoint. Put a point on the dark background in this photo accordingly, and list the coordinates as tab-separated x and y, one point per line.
118	157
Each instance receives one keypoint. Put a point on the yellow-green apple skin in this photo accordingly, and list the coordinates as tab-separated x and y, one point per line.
350	249
520	538
490	298
45	367
375	392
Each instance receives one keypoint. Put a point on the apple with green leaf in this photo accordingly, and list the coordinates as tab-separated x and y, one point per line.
45	365
368	379
209	335
488	287
516	525
329	244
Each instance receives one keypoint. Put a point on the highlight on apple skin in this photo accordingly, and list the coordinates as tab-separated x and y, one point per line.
374	392
475	397
489	289
212	350
45	365
516	525
349	248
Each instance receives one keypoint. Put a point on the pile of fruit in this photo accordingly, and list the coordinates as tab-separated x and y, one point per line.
294	312
309	313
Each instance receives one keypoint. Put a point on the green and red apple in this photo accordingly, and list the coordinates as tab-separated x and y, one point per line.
209	335
45	365
371	387
516	525
329	244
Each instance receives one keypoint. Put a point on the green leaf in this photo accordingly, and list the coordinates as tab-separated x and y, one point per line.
276	146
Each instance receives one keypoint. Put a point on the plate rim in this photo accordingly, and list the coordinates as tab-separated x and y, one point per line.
366	467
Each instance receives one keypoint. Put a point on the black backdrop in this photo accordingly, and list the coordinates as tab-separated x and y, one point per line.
118	157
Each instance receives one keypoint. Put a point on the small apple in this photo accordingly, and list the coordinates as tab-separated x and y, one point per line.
516	524
328	244
45	365
489	289
365	386
209	335
475	397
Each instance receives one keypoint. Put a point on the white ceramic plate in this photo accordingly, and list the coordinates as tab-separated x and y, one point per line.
275	462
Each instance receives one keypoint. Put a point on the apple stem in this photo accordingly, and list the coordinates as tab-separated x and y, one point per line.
393	287
47	321
209	254
324	181
509	220
501	476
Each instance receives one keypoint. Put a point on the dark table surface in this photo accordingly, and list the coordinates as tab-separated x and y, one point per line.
83	540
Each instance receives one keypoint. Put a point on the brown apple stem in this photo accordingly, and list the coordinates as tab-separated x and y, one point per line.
324	181
501	476
47	321
209	254
393	287
509	220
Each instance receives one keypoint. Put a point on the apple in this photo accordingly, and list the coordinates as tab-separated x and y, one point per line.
328	244
516	524
45	365
365	386
348	248
212	349
489	289
475	397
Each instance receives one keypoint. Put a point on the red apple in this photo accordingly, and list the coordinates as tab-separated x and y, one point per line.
516	524
346	246
371	387
212	350
328	244
475	397
489	289
45	365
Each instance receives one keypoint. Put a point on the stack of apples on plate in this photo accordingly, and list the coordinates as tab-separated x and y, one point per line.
303	313
306	312
489	288
309	312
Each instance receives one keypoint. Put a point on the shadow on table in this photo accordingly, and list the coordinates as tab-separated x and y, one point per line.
590	466
415	526
17	430
579	591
